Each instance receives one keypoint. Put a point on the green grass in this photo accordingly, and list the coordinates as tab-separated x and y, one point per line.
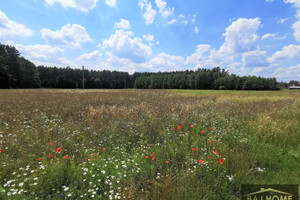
139	144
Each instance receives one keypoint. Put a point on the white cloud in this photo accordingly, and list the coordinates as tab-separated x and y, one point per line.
123	24
172	21
163	9
166	62
282	20
83	6
150	13
268	1
111	3
288	52
181	16
255	58
94	56
149	38
10	28
268	35
69	36
241	36
198	58
288	73
42	54
196	29
296	25
124	45
185	22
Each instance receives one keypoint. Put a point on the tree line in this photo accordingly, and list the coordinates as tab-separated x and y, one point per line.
18	72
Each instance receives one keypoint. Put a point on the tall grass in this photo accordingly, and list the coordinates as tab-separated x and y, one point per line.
145	144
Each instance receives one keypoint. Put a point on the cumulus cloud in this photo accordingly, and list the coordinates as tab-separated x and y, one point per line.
69	36
241	36
288	52
196	29
40	54
166	62
83	6
285	73
150	13
94	56
268	1
163	9
10	28
255	58
124	45
123	24
111	3
296	25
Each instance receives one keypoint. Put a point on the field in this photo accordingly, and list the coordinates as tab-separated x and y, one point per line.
146	144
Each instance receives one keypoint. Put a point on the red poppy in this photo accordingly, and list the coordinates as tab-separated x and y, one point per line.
178	128
210	128
103	149
58	149
182	124
216	152
201	161
153	153
166	161
208	141
1	150
153	158
50	143
196	134
193	149
66	157
208	156
147	157
39	159
192	126
202	132
221	160
50	156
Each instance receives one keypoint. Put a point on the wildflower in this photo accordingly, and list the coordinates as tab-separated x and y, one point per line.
50	156
39	159
221	160
50	143
208	156
1	150
58	149
196	134
193	149
166	161
202	131
230	178
66	157
210	128
103	149
208	141
179	127
201	161
147	157
216	152
182	124
153	158
192	126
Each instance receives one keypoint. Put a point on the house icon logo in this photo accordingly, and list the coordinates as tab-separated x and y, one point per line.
269	192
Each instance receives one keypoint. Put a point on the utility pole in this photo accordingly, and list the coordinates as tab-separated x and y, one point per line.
83	77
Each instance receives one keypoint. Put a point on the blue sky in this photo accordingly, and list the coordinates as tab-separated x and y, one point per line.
257	37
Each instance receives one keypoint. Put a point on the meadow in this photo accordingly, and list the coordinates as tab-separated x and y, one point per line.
146	144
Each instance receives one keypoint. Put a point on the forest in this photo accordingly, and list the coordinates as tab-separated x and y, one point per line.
18	72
